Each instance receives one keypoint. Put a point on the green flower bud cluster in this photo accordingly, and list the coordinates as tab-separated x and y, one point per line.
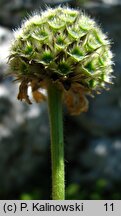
62	46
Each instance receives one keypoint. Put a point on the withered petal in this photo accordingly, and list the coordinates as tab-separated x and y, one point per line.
38	96
76	102
23	92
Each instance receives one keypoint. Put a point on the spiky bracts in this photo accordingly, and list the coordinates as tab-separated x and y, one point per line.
64	46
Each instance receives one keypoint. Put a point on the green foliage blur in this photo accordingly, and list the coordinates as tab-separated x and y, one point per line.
99	190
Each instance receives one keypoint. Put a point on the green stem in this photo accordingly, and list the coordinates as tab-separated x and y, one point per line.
57	143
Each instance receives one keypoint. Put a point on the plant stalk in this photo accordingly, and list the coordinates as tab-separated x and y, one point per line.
57	142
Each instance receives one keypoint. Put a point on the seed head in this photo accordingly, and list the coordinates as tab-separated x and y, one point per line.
62	46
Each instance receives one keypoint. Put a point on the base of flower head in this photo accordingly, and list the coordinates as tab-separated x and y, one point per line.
74	97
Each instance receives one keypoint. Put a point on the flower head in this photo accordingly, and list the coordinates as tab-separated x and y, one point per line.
62	46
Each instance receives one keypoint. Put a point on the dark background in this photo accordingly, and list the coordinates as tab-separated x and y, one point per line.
92	140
